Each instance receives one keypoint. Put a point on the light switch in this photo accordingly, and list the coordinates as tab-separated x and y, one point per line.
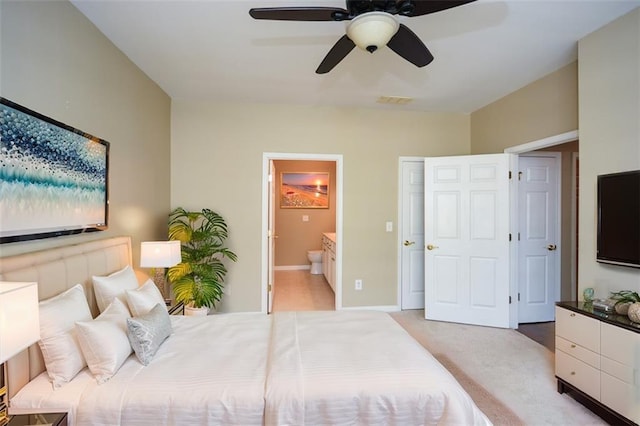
389	226
305	218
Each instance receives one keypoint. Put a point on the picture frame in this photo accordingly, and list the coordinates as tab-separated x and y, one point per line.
304	190
53	177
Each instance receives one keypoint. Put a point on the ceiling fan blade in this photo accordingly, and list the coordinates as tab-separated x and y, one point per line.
424	7
407	44
336	54
300	13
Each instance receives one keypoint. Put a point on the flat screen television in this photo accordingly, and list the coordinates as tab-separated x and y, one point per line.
53	177
618	239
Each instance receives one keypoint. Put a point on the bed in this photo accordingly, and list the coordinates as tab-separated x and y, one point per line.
289	368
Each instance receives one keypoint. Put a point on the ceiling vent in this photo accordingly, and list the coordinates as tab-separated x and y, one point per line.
394	100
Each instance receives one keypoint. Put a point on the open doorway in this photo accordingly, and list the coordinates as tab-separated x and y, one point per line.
566	144
302	206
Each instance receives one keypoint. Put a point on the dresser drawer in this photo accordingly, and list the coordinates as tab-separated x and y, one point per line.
620	345
578	328
620	396
578	373
577	351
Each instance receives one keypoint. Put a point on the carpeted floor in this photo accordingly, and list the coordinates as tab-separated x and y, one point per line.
509	376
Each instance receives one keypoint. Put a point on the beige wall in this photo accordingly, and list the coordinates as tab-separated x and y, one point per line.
216	162
544	108
54	61
609	78
295	236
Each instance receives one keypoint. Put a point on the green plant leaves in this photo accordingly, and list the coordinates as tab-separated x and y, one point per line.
199	279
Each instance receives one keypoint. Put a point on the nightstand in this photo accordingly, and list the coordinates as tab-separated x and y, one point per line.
53	419
176	308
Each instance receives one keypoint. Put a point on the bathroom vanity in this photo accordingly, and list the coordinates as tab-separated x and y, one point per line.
329	258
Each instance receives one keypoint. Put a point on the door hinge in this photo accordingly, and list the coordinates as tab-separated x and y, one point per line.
518	236
509	299
519	175
509	174
269	287
509	236
518	297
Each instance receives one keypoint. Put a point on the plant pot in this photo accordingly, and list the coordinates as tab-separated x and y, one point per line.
634	312
191	311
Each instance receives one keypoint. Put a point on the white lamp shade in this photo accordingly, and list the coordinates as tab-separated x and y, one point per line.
372	29
160	254
19	318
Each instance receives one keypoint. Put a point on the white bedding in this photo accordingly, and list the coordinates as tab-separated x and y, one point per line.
305	368
346	368
211	370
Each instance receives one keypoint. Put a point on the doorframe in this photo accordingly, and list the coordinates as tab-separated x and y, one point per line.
558	139
264	240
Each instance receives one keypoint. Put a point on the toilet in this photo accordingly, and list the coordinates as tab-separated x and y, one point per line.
315	257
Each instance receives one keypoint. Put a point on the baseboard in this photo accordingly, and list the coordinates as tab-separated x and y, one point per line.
292	268
383	308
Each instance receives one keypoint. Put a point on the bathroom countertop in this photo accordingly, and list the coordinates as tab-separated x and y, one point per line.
330	235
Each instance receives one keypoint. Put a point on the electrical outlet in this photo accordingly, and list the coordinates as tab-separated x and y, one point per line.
358	284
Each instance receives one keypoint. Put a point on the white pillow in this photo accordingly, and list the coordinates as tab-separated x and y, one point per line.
147	332
144	298
108	288
58	341
104	341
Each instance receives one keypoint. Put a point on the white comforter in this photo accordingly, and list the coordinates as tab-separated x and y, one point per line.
311	368
350	368
210	371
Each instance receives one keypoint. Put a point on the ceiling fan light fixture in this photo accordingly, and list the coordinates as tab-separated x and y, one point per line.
372	30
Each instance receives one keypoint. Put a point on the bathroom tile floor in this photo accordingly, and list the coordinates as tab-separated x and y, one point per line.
298	290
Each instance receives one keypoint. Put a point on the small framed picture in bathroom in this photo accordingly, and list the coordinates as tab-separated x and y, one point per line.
300	190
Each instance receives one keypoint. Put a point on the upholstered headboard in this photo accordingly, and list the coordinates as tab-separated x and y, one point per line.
56	270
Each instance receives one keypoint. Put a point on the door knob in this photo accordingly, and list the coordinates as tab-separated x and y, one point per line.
551	247
431	247
409	243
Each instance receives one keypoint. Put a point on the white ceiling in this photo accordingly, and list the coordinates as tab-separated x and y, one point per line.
213	50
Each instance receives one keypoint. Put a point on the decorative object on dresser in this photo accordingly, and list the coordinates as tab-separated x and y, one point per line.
159	255
198	280
627	302
19	327
597	361
54	176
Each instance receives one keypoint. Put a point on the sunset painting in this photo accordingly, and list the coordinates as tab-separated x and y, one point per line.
304	190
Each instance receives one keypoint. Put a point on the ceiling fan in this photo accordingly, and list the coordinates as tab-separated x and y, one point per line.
373	25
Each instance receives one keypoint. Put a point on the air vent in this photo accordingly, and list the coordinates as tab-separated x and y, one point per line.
394	100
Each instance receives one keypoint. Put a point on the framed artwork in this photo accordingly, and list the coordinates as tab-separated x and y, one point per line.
304	190
53	177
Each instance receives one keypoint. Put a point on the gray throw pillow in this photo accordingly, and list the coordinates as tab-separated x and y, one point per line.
147	332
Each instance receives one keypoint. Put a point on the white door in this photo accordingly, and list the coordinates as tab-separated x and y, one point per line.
271	236
539	242
467	221
412	230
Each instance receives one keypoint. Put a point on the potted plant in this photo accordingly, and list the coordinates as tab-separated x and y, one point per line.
627	303
198	280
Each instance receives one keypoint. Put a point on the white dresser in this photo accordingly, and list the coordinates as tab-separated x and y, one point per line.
598	361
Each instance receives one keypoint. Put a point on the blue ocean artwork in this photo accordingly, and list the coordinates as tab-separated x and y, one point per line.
50	177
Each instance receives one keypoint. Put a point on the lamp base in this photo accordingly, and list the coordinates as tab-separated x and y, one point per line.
160	282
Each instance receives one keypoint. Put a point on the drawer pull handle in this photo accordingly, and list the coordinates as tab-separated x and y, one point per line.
572	315
573	373
573	346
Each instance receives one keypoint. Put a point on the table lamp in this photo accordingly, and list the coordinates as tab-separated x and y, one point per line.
19	328
159	255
